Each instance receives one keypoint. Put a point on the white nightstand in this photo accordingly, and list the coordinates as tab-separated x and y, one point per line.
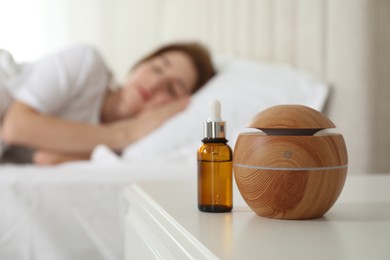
163	222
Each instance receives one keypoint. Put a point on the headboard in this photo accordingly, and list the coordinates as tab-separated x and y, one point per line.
345	43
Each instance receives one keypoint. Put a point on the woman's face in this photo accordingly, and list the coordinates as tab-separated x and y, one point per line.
159	80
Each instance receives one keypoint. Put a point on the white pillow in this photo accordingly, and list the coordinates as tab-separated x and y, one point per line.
244	88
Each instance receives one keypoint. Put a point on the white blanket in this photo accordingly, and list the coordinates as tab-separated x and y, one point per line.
74	211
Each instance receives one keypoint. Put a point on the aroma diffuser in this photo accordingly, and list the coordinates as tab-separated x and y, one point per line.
289	170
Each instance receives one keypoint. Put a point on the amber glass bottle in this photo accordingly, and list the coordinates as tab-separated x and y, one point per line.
215	166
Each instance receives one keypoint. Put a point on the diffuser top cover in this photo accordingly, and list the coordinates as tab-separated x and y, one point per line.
290	120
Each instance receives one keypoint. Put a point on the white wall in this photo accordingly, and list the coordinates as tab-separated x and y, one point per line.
32	28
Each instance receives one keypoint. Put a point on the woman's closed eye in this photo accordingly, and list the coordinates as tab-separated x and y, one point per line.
157	69
172	89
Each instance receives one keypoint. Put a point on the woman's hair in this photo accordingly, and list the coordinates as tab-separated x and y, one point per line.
198	54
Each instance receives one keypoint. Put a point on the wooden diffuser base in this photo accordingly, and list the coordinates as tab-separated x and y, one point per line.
290	174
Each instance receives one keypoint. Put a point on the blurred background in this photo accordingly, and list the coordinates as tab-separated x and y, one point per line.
345	43
33	28
123	30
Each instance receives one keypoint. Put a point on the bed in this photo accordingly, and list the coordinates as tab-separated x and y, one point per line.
317	53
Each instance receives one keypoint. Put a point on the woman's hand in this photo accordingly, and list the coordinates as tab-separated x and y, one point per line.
148	120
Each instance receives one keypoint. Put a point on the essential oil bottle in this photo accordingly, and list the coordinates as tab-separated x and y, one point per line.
215	192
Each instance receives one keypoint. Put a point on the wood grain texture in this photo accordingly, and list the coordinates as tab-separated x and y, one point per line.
290	194
290	117
259	149
290	177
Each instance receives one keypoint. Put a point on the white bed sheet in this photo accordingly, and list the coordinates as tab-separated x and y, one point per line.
74	211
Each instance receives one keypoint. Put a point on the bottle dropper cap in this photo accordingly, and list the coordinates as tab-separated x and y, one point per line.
214	127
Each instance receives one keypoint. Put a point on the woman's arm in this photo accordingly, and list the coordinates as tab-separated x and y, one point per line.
27	127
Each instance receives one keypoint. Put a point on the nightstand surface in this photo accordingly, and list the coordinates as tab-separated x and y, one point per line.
163	222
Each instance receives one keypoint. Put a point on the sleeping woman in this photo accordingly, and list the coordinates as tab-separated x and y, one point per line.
66	104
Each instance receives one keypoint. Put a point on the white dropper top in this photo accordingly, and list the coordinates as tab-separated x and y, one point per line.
215	111
214	127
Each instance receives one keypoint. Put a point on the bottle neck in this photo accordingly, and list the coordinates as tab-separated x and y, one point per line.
207	140
214	130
